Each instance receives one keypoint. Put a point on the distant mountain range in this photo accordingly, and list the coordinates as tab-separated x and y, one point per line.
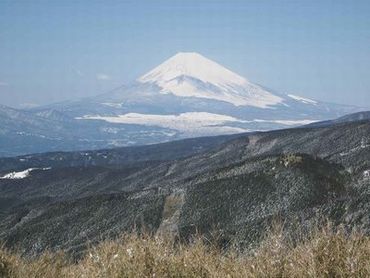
186	96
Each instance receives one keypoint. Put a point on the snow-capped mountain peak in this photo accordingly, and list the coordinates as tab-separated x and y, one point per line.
190	74
193	65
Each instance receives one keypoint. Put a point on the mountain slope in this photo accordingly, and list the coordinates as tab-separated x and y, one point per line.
236	189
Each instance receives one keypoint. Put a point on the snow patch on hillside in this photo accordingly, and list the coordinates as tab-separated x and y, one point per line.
21	174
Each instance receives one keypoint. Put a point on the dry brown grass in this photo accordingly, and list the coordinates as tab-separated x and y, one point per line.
324	253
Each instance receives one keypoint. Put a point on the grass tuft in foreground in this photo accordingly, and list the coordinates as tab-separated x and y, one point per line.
324	253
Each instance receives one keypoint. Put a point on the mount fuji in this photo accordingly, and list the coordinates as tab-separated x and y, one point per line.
186	96
192	75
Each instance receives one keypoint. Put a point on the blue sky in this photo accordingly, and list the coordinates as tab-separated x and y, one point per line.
57	50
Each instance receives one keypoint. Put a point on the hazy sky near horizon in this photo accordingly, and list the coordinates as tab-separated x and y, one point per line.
52	51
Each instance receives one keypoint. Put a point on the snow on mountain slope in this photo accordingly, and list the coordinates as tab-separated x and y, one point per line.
17	175
302	99
193	65
21	174
192	75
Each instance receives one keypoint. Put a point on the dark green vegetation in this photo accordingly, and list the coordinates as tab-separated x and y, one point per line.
234	189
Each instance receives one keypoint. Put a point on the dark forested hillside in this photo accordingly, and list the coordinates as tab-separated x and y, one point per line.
235	186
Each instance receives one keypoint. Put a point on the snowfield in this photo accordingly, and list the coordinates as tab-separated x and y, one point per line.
191	122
